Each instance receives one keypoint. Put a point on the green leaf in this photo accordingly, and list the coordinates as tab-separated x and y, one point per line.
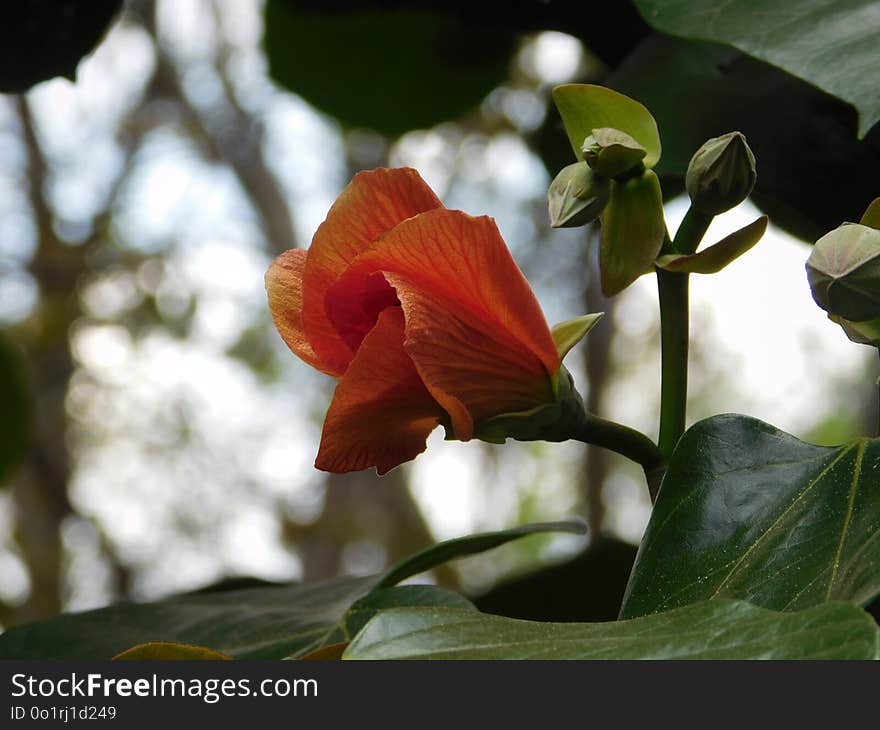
633	229
255	623
719	255
567	334
461	547
710	630
584	107
14	407
748	511
829	43
41	40
871	216
390	69
163	650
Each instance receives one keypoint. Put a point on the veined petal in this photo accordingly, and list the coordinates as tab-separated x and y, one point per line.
381	413
372	204
473	326
474	369
284	285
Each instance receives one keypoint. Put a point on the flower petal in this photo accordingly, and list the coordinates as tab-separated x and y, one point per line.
373	203
284	285
381	412
473	326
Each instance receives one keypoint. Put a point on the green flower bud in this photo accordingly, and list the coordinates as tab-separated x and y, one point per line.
844	272
721	174
611	152
577	196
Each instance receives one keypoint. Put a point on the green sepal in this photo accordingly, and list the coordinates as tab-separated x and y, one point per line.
567	334
555	421
719	255
871	216
577	196
633	231
585	107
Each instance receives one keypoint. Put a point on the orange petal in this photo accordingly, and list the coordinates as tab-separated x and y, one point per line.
284	285
473	326
381	412
373	203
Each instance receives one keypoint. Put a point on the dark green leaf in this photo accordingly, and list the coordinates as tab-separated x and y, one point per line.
256	623
391	69
14	407
633	229
748	511
720	629
41	39
830	43
811	166
461	547
711	260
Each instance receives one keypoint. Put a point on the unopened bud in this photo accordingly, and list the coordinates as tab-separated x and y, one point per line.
577	196
844	272
611	152
721	174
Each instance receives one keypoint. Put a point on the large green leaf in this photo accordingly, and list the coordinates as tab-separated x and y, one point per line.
256	623
748	511
720	629
830	43
388	68
41	39
811	166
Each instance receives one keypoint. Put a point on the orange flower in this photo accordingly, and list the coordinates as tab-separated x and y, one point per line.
422	315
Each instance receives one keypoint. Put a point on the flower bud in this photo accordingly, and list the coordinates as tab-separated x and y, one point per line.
844	272
721	174
611	152
577	196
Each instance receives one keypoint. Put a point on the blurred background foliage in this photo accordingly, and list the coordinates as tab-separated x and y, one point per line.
155	434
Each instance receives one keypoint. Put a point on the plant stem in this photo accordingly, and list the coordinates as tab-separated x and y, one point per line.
673	291
628	442
672	288
691	231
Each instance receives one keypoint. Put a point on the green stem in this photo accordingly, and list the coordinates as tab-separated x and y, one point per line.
691	231
628	442
672	288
